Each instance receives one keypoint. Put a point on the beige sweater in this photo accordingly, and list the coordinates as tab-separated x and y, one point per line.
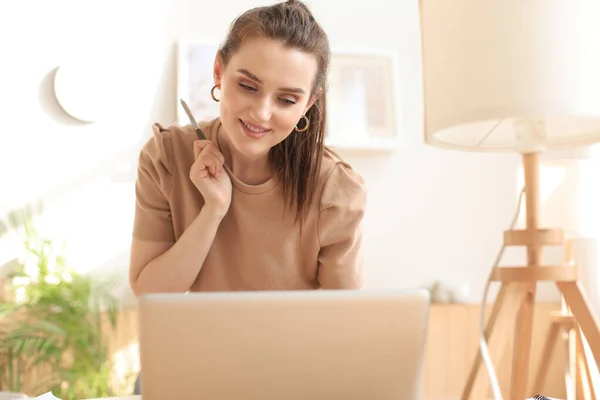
258	245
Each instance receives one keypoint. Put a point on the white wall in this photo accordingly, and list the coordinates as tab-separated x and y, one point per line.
433	214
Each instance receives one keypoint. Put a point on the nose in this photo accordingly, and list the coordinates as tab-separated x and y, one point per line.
261	112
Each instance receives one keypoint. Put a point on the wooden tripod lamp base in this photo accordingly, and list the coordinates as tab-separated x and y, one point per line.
579	383
564	276
496	79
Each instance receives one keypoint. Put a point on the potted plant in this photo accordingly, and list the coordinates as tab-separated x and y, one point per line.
52	320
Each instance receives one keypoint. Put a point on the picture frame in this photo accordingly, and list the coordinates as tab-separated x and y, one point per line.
363	99
195	62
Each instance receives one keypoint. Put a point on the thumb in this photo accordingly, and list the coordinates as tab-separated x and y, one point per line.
197	148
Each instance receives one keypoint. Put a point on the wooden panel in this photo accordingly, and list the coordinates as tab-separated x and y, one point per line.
453	344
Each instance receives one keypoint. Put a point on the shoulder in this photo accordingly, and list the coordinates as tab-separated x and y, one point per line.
340	182
167	143
169	149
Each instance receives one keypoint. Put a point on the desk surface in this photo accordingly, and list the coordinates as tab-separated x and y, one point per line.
120	398
140	398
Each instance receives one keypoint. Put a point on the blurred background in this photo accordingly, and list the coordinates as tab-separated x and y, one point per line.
81	82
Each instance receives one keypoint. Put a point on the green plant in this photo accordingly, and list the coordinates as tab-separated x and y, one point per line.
52	320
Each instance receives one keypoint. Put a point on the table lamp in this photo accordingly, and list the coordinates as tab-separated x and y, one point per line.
517	76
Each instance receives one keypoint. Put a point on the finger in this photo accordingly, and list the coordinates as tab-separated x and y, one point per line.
220	157
200	166
212	163
199	172
209	156
200	146
209	164
197	148
208	160
214	153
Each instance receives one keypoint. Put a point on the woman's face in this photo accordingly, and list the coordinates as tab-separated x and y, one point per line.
264	91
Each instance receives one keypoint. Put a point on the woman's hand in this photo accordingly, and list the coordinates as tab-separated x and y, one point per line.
210	178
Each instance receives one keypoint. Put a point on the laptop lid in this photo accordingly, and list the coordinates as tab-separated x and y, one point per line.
289	345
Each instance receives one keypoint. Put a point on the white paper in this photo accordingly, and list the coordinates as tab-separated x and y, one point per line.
46	396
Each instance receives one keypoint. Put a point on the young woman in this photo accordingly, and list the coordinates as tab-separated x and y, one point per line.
261	204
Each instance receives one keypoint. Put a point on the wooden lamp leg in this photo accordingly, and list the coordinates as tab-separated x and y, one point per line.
564	276
579	304
584	376
487	333
524	328
578	379
551	340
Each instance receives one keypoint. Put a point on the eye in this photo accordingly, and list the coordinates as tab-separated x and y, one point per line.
248	88
287	101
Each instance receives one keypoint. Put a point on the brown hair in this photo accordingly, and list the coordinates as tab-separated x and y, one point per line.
297	159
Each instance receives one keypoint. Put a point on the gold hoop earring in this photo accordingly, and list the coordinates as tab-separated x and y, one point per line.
306	124
212	94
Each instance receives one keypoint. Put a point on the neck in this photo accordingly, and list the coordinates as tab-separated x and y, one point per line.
251	171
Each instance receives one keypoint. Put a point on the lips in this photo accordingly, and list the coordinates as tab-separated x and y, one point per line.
252	130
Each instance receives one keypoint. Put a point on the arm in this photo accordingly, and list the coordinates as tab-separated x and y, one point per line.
167	267
159	263
340	229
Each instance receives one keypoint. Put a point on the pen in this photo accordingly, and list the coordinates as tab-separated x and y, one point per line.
187	110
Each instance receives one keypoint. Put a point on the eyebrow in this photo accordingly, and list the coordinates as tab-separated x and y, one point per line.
257	79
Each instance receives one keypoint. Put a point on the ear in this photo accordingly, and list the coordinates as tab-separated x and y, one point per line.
310	103
218	69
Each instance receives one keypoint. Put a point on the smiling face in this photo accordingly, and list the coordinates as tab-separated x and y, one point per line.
265	89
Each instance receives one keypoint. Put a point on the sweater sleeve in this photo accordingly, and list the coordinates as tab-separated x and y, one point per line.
152	220
340	229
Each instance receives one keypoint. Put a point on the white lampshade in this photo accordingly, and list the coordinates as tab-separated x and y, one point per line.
487	63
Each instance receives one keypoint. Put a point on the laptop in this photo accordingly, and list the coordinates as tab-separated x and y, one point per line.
293	345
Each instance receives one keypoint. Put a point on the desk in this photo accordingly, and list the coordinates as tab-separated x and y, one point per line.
140	398
120	398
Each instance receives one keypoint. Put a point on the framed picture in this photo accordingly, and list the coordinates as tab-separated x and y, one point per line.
362	100
195	61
